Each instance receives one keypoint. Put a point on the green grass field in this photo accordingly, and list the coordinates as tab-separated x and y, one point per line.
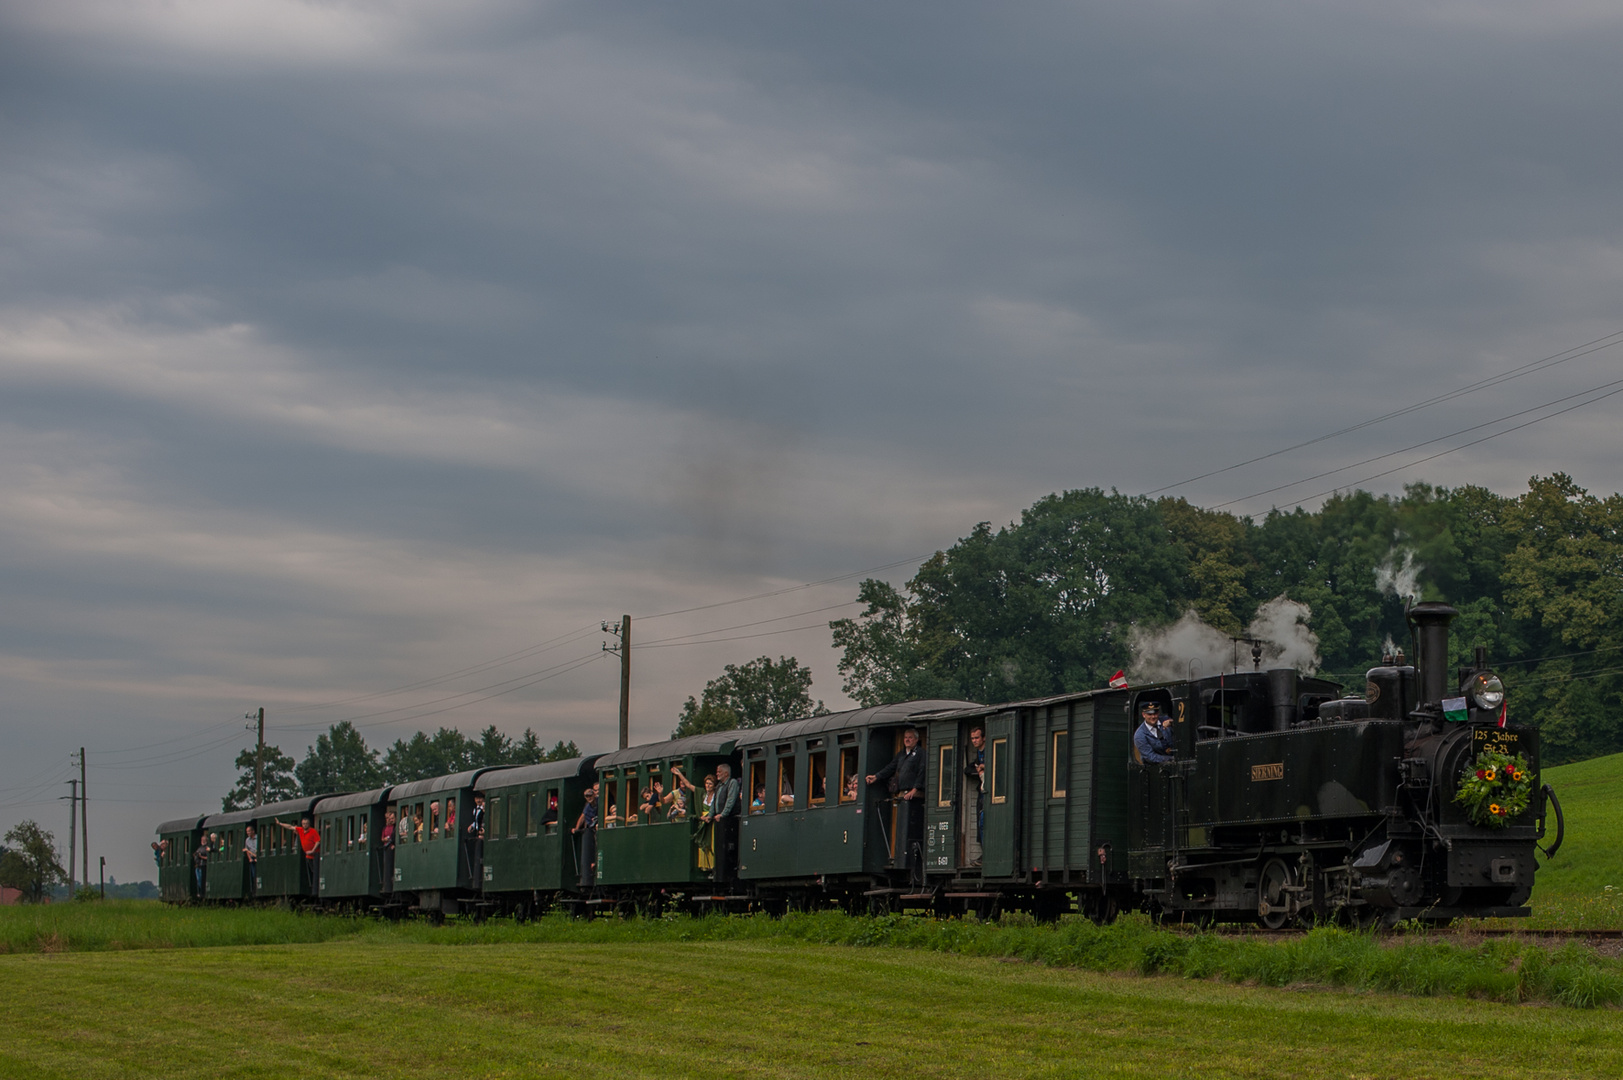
726	1009
1582	887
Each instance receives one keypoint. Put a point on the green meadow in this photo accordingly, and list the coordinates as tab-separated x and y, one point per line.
1582	887
749	1008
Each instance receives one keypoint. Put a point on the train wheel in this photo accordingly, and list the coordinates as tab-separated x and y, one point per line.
1273	894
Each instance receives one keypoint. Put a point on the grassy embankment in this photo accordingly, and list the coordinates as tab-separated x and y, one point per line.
734	1008
1582	887
1498	969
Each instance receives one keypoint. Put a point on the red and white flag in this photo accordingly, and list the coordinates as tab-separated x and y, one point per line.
1118	681
1504	713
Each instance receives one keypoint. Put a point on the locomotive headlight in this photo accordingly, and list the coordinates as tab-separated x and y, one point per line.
1486	691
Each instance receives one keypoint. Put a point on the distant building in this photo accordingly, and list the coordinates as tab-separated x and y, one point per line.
8	895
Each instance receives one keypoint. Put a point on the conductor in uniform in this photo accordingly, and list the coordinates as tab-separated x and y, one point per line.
907	768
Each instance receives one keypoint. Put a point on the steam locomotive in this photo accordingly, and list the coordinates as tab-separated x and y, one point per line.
1283	802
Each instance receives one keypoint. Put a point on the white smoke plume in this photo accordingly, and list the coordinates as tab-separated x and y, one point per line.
1280	624
1399	574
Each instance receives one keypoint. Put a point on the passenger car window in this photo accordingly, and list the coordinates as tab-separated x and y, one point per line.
1059	764
786	783
946	776
1000	780
850	784
818	791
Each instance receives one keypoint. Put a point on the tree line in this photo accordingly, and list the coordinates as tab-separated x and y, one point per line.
340	760
1050	604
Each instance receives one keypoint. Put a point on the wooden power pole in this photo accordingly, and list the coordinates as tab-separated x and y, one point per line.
84	818
73	832
623	647
259	762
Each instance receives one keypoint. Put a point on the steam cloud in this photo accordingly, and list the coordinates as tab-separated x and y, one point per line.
1399	574
1280	624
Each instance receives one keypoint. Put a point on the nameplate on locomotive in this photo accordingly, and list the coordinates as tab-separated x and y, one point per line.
1275	771
1497	740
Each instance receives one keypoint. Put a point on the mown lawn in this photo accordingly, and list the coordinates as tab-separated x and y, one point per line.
724	1009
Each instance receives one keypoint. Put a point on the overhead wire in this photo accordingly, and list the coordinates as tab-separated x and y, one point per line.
788	589
677	638
740	637
533	650
1577	351
1618	383
434	701
1463	446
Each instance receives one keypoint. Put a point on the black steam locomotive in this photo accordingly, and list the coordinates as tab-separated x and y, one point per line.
1282	802
1412	801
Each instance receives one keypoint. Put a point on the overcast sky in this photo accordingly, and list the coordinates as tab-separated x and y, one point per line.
344	346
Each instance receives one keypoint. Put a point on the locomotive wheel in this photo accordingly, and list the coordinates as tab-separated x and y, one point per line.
1273	901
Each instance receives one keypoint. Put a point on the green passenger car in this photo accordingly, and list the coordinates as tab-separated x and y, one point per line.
282	874
1048	815
529	849
227	879
635	854
435	860
810	814
352	861
176	882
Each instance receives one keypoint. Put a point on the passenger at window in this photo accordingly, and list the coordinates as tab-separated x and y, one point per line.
852	786
433	819
250	855
200	864
417	824
450	815
310	841
1153	739
706	838
473	843
758	804
551	816
386	841
586	829
645	806
975	769
729	803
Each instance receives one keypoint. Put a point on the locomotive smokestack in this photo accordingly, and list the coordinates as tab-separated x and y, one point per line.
1282	691
1430	621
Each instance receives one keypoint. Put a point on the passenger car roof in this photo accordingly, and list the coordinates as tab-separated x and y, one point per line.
532	774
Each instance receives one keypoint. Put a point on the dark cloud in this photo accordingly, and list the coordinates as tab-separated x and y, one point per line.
347	345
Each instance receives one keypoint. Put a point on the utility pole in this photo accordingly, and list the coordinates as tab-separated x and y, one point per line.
103	869
259	762
84	818
73	835
623	647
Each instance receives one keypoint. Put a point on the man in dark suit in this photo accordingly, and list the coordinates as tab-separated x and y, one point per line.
908	769
728	805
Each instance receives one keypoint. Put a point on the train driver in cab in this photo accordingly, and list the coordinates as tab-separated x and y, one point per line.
1153	737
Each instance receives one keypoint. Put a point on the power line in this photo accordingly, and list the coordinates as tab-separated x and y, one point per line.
791	588
1466	446
740	637
1439	438
1562	357
422	704
741	626
533	650
564	669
